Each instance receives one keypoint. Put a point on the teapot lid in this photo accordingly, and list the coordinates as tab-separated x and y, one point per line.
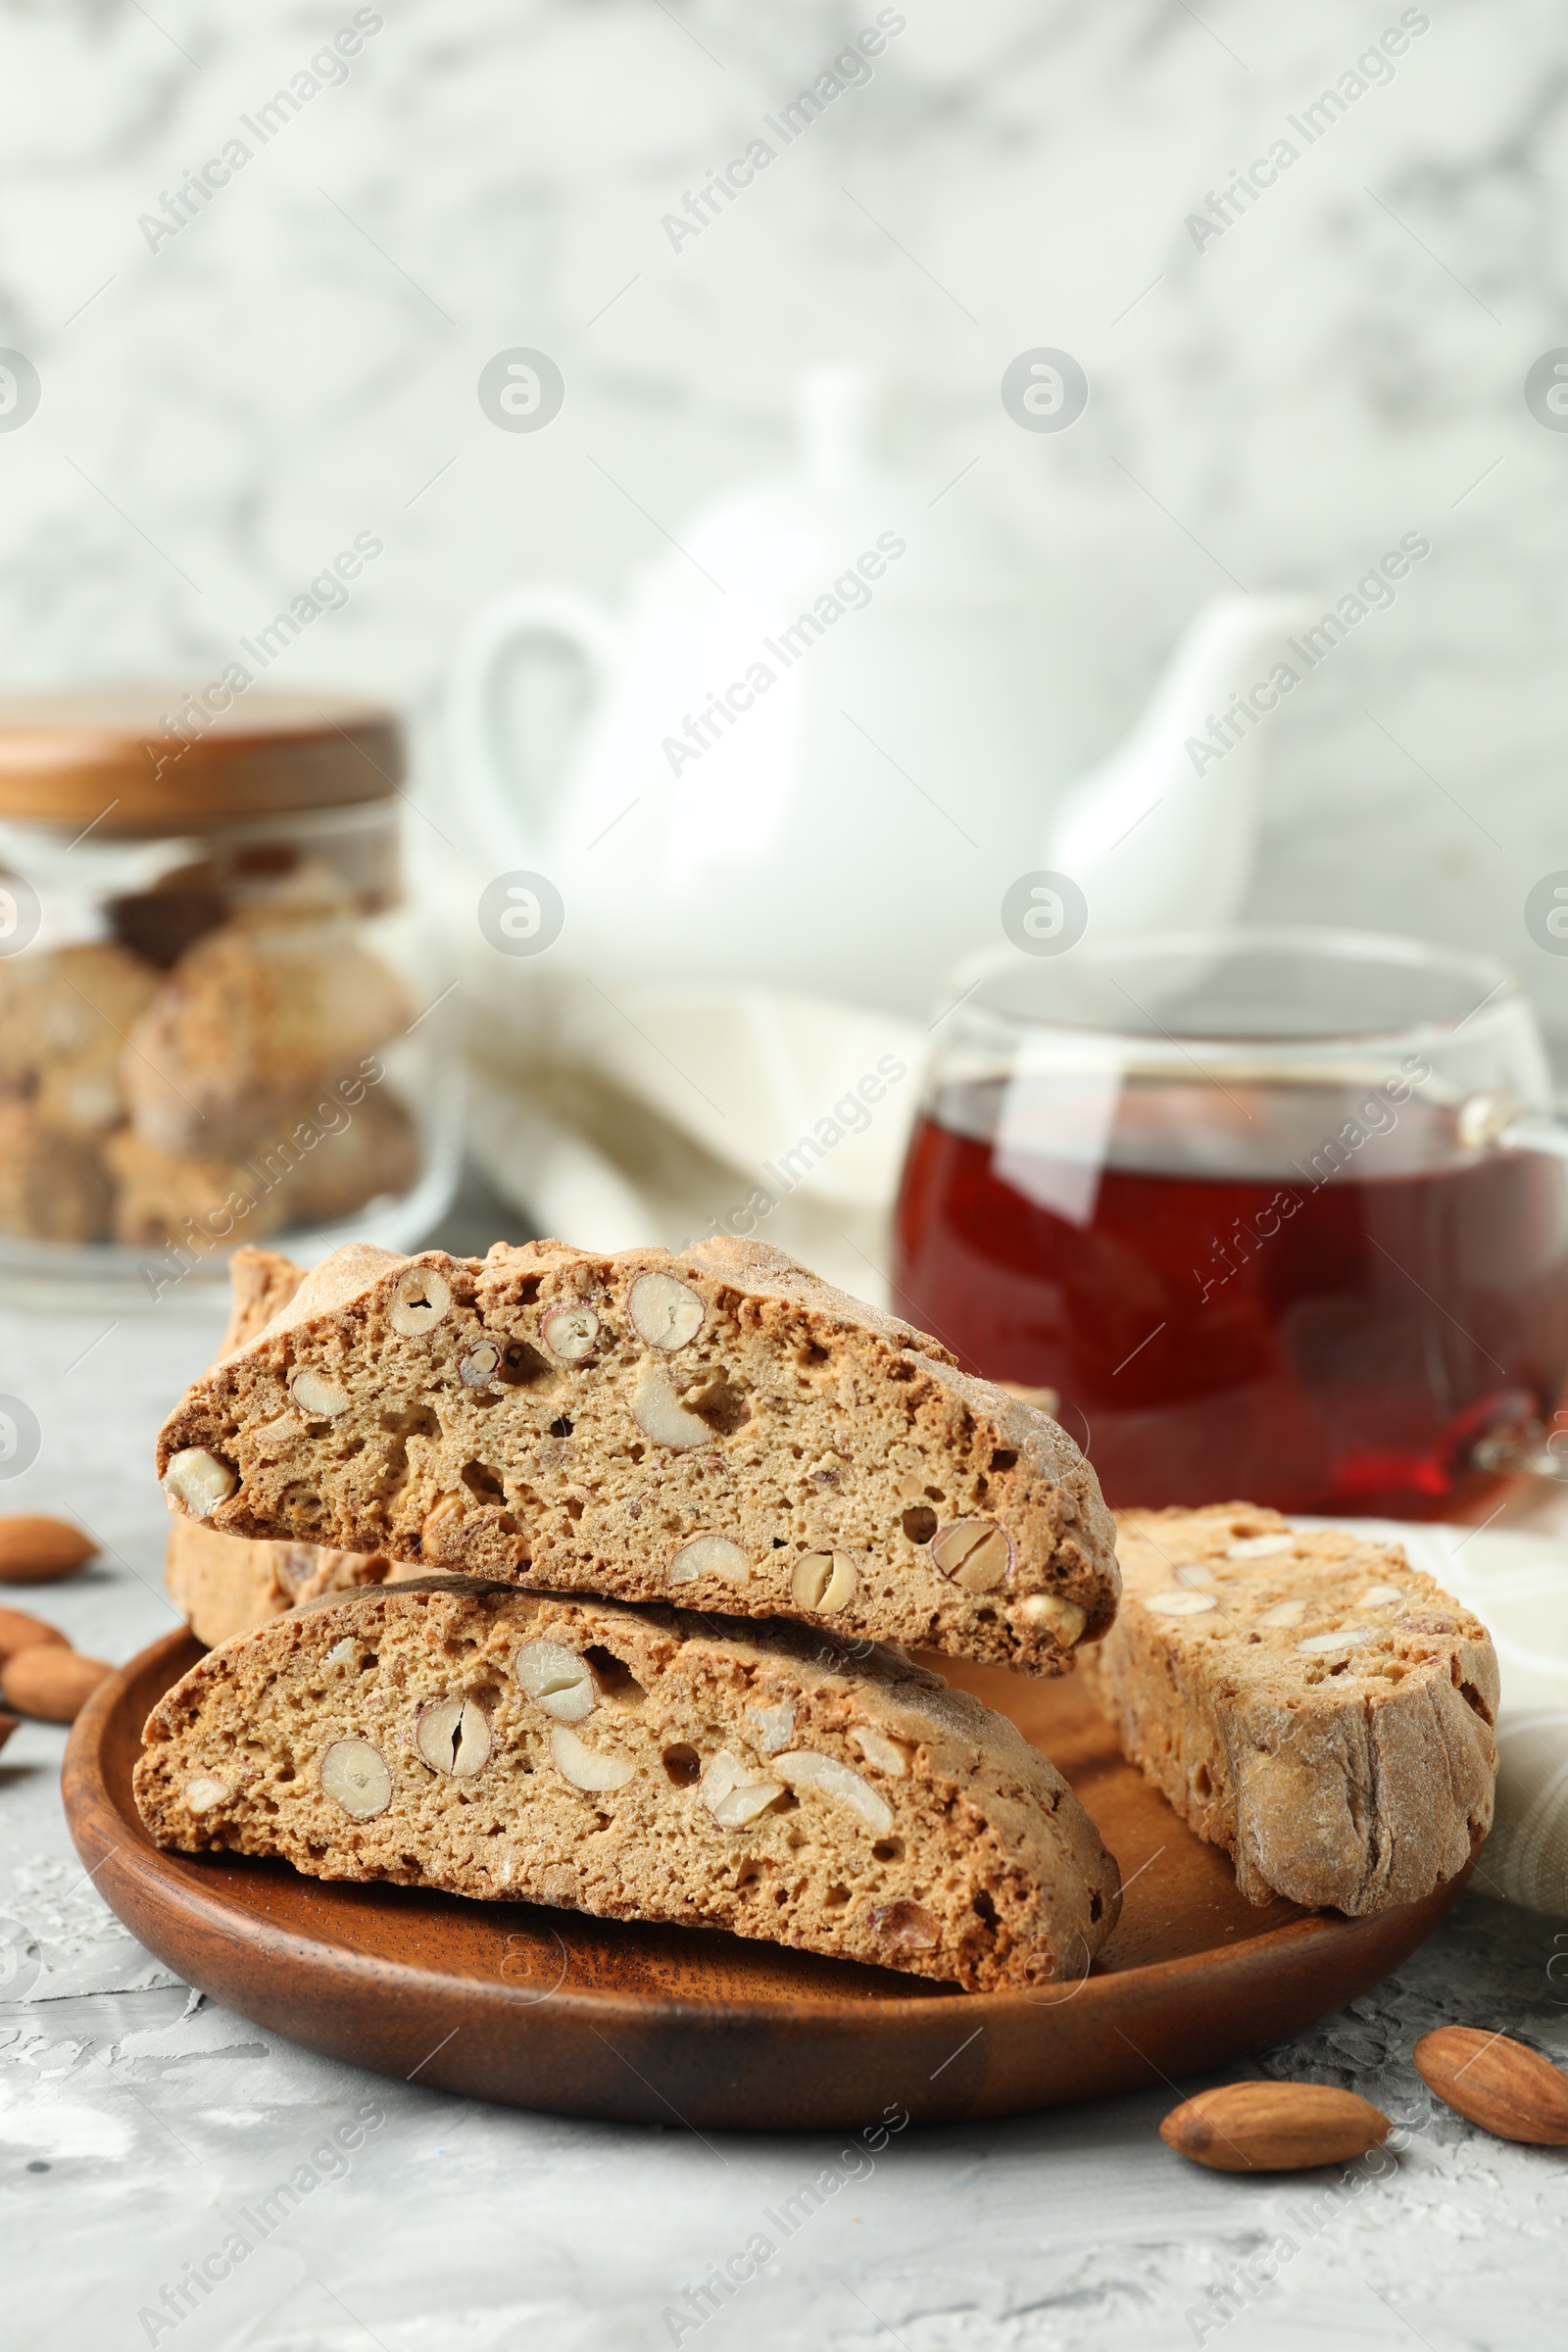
141	759
846	491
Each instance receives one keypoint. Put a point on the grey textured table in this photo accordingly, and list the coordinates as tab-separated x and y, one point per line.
163	2180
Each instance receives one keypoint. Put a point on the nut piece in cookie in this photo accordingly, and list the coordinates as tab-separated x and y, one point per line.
636	1763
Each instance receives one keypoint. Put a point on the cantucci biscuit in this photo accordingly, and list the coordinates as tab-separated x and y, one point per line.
638	1764
1309	1701
223	1585
255	1015
717	1429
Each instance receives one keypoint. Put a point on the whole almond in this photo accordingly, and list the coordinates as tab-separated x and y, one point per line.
8	1725
34	1550
1273	2127
1510	2091
54	1684
19	1631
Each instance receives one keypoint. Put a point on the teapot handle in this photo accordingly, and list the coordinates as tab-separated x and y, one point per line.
505	801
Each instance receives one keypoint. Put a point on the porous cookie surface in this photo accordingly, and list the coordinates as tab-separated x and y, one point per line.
719	1428
225	1585
638	1764
1308	1700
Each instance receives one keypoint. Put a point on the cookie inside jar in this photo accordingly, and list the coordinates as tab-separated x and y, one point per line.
221	1010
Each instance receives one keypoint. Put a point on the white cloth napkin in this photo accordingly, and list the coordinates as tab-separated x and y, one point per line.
622	1112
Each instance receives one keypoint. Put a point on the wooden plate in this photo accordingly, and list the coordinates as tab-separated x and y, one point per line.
580	2015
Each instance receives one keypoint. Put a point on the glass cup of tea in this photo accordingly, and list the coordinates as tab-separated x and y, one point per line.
1276	1214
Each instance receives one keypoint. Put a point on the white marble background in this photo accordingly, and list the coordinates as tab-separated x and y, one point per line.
1345	364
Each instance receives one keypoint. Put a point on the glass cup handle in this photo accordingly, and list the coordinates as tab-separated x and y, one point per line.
1494	1121
1497	1122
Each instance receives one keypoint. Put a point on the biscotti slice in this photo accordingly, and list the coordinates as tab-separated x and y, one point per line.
1308	1700
718	1429
638	1763
225	1585
260	1283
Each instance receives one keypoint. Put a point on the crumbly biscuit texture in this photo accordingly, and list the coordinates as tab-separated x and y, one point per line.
718	1429
636	1763
225	1585
1308	1701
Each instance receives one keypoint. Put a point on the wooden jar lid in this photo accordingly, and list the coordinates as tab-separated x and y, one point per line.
157	759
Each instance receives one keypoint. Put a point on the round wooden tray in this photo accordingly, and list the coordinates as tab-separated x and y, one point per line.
580	2015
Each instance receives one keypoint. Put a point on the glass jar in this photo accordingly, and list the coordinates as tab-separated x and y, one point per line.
221	1021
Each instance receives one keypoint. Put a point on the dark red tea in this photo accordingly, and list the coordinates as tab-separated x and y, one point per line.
1234	1298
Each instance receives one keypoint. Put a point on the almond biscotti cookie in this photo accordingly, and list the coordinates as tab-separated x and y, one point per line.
1309	1701
719	1428
250	1019
161	1194
64	1017
52	1185
260	1283
638	1764
223	1585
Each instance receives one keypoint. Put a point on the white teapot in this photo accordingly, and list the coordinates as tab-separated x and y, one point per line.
830	733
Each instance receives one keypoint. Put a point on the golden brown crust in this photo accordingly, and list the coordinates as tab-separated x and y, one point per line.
1325	1711
261	1282
810	1435
895	1821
